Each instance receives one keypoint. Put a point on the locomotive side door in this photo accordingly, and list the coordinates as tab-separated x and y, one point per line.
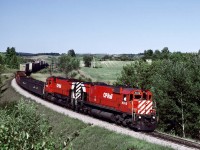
124	102
94	95
49	85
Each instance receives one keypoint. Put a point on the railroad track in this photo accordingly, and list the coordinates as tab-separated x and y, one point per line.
175	139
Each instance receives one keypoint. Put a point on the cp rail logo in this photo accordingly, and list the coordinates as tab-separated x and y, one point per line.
77	88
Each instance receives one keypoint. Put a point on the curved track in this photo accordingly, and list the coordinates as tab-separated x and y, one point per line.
149	137
175	139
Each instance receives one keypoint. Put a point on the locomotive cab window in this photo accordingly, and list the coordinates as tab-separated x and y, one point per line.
124	98
131	97
144	96
49	82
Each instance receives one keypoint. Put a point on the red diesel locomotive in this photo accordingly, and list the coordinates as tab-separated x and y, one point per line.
130	107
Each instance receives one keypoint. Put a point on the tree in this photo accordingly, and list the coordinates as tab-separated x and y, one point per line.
71	53
156	55
148	54
1	71
1	60
14	63
176	84
11	58
165	50
68	64
165	53
106	57
135	75
87	60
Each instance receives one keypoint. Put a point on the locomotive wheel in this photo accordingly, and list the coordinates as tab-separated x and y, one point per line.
124	123
124	116
85	111
118	119
113	119
77	108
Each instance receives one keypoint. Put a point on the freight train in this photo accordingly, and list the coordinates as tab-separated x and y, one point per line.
131	107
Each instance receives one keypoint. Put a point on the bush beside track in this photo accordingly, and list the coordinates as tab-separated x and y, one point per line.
74	134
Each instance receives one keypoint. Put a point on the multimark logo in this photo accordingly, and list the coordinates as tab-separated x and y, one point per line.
107	95
77	88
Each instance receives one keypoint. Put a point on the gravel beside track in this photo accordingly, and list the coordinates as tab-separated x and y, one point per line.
97	122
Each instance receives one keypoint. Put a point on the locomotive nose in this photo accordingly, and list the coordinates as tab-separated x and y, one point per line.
145	106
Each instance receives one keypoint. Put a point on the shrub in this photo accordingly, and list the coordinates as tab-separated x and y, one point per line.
22	128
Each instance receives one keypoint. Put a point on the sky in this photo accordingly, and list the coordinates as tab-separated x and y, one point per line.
99	26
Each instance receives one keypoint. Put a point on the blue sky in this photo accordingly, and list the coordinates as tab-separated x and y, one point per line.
103	26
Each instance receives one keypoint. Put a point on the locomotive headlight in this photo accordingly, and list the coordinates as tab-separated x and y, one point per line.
139	117
154	117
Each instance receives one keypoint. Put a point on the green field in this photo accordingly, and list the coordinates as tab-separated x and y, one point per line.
108	71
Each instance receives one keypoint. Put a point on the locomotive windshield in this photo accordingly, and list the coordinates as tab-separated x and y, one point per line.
131	97
142	95
48	82
138	96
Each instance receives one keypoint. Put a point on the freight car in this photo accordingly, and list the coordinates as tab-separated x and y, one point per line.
28	83
35	66
130	107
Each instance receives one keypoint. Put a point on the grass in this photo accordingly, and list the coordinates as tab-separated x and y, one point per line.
102	74
74	134
99	138
7	74
44	76
108	71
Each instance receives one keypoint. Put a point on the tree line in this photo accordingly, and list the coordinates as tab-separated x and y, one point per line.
37	54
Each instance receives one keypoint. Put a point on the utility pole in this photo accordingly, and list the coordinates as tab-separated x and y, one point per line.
94	62
51	66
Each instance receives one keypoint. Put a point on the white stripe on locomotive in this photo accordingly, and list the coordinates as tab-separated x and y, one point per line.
145	107
76	87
